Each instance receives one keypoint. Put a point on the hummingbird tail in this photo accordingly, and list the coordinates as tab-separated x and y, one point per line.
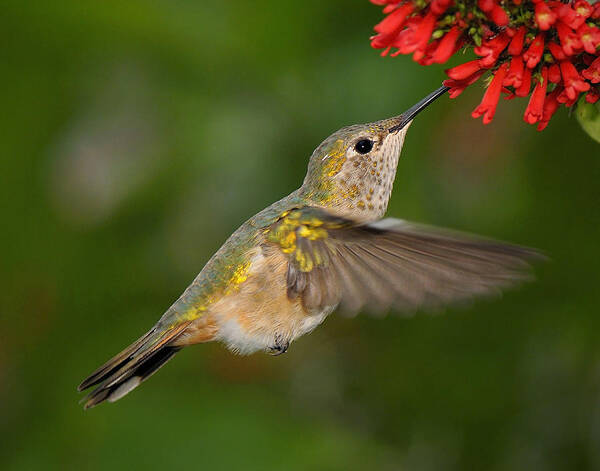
128	369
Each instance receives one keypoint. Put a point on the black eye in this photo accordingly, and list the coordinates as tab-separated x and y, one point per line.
364	146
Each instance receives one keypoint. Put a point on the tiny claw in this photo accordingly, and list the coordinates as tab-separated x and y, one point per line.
280	346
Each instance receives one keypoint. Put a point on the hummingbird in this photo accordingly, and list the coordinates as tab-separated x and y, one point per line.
324	246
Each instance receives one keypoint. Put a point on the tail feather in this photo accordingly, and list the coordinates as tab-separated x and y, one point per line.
113	364
131	367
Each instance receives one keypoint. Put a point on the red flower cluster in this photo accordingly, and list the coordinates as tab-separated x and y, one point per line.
548	45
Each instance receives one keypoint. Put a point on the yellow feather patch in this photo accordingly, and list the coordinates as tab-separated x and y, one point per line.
295	225
336	159
237	275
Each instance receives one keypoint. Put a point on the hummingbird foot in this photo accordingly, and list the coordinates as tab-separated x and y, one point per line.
280	346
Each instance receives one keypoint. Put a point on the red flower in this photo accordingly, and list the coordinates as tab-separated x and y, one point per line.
554	74
426	57
583	9
533	55
499	16
447	46
404	40
567	15
553	43
568	39
421	33
572	81
592	96
514	77
380	42
535	108
395	20
517	41
525	87
544	16
440	6
550	107
458	86
565	100
494	12
589	37
486	5
556	51
592	73
491	49
463	71
390	4
487	107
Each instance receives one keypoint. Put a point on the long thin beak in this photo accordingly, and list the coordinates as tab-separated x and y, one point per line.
413	111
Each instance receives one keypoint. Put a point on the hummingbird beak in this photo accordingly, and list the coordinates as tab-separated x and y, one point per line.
413	111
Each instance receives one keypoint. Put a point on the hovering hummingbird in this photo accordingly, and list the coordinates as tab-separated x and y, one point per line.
323	246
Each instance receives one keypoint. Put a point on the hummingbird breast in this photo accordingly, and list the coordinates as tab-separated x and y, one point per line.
258	315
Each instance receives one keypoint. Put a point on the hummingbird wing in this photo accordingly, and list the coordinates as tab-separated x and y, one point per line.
391	263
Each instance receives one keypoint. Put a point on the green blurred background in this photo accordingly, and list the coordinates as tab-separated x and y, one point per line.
136	136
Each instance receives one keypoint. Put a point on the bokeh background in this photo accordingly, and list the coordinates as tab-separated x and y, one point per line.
136	136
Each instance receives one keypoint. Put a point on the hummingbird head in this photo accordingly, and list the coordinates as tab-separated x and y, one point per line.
352	172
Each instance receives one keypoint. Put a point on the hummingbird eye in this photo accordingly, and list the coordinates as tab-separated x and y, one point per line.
364	146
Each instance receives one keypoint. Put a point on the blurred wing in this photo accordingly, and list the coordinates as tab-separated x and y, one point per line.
391	263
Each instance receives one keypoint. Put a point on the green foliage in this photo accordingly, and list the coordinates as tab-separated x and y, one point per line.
588	116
